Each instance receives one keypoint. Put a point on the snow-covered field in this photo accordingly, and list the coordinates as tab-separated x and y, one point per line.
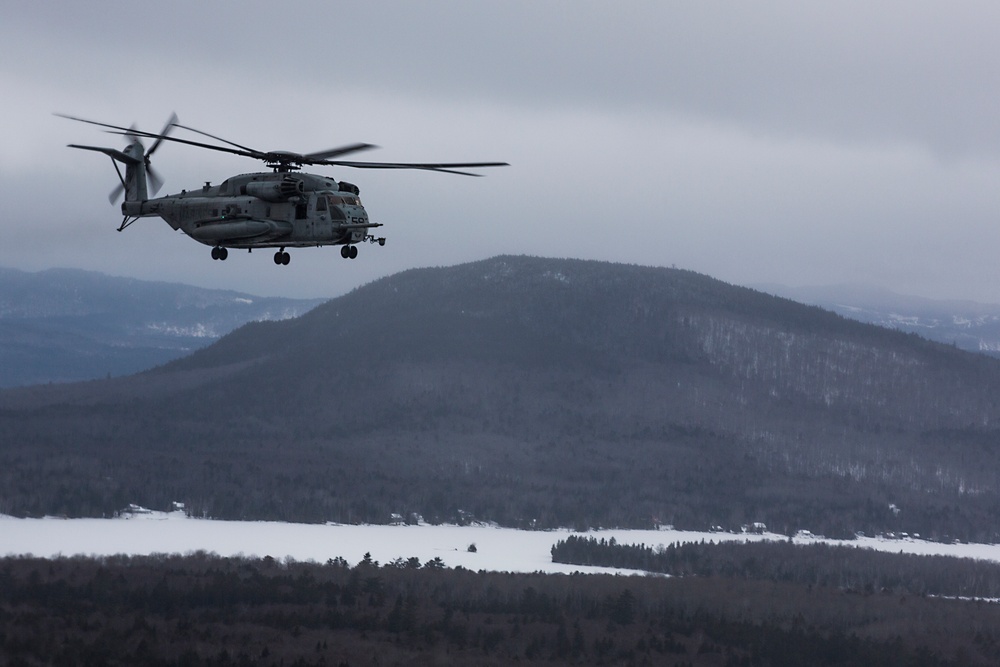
497	549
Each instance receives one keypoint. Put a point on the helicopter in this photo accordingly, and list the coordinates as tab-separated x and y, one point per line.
282	208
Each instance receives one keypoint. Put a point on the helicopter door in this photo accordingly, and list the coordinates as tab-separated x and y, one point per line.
322	227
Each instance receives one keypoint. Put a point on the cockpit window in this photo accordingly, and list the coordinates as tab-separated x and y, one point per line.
321	203
336	200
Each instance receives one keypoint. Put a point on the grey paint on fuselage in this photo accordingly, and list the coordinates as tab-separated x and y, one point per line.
225	215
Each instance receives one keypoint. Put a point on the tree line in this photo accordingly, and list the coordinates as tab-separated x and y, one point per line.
200	609
818	564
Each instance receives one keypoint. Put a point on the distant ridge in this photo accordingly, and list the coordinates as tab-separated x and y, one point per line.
65	325
535	392
968	325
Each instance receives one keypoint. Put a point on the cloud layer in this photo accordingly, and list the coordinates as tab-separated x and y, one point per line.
778	142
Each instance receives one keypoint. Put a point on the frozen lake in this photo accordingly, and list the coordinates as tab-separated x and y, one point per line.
497	549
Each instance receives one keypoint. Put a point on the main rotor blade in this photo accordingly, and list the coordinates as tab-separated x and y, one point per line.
308	157
212	136
94	122
129	132
334	152
288	158
245	153
444	167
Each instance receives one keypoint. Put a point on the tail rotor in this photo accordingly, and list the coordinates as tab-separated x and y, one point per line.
155	182
139	178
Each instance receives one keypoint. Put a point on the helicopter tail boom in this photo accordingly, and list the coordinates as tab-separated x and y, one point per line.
133	181
135	157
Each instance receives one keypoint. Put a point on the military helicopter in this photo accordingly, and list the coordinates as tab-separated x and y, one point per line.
278	209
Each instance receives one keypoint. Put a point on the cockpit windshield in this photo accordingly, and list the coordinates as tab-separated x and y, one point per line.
350	200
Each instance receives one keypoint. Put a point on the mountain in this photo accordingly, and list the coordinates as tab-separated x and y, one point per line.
966	324
534	392
67	325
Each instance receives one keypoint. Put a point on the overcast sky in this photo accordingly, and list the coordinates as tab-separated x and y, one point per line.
795	142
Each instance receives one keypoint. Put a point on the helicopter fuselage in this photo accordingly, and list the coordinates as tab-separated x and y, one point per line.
265	210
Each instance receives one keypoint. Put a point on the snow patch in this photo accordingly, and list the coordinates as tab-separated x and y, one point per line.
193	331
144	532
557	276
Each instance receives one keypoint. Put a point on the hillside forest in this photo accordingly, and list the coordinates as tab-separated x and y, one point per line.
534	393
204	610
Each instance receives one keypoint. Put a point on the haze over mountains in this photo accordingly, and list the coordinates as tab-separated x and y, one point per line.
65	325
966	324
534	392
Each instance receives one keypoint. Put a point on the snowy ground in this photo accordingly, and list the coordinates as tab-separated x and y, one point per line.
497	549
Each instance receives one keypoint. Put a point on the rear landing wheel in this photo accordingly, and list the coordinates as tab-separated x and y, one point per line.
220	253
282	257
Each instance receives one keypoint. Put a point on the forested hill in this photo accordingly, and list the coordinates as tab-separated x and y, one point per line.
535	392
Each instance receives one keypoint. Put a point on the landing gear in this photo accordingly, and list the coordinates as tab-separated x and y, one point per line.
349	251
282	257
220	253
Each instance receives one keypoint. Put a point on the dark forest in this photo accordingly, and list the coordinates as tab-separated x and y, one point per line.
204	610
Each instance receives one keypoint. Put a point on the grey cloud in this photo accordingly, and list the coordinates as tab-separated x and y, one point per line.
759	142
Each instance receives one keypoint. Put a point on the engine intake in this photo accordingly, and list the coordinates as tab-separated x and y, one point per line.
276	191
349	187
